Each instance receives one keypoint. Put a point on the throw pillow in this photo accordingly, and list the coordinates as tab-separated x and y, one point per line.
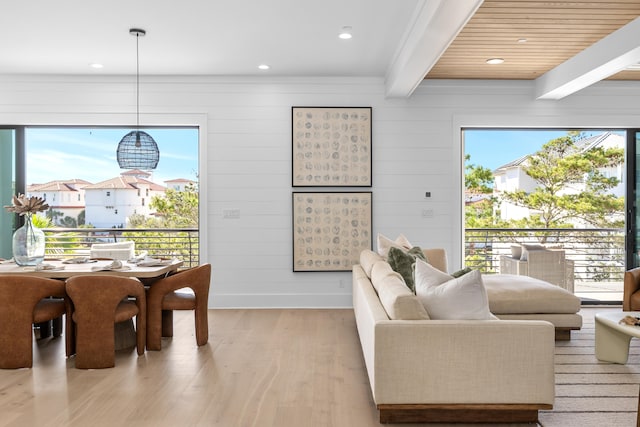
402	262
462	272
428	277
526	248
516	251
463	298
384	244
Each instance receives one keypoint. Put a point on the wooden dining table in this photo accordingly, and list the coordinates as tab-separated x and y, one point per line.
61	269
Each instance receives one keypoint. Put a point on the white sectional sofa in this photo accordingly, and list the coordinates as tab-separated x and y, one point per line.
423	370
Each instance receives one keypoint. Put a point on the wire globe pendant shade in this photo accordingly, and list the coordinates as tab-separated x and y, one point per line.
137	149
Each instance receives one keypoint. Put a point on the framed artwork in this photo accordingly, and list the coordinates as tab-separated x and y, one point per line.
330	230
331	146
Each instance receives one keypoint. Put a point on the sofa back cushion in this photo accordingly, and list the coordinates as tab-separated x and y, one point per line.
396	298
438	258
367	259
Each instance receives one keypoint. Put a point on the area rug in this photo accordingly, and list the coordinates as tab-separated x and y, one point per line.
590	393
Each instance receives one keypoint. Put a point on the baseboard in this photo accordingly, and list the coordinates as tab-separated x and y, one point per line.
461	413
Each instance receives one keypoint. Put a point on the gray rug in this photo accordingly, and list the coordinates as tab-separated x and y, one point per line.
590	393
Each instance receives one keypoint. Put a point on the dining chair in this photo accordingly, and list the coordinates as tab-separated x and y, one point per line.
631	290
163	296
98	303
26	300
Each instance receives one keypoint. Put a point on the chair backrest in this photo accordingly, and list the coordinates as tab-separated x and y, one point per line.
19	295
97	296
197	278
548	265
631	286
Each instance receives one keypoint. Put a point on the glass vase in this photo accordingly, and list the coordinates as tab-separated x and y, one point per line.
28	244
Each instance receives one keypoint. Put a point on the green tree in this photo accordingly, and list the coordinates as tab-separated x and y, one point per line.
480	206
571	186
177	209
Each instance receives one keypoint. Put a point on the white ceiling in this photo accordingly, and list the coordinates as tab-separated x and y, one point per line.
203	37
397	40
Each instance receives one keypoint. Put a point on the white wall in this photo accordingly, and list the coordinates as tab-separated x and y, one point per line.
246	164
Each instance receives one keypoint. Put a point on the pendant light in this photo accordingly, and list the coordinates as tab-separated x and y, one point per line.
137	149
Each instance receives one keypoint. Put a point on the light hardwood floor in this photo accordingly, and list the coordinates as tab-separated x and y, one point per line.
260	368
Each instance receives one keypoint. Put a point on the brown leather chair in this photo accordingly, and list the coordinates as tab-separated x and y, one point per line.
162	299
631	293
25	301
98	303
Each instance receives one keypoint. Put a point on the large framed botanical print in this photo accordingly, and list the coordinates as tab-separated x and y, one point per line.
330	229
331	146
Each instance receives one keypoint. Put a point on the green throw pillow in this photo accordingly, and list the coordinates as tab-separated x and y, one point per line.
404	263
462	272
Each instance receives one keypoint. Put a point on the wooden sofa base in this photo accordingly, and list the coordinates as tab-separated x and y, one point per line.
460	413
564	334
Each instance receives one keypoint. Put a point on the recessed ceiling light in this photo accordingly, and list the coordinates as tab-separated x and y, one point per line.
264	66
495	61
95	65
345	33
522	40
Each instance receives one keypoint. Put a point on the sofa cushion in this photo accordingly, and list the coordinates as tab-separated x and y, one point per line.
398	301
403	262
367	259
379	271
463	298
384	244
512	294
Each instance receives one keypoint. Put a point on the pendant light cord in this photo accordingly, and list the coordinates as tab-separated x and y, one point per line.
137	82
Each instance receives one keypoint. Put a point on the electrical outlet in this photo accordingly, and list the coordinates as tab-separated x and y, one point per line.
427	213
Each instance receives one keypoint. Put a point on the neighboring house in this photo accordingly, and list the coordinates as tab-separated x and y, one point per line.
179	184
64	197
511	176
110	203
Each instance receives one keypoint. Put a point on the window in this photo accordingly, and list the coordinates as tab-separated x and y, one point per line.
30	149
142	200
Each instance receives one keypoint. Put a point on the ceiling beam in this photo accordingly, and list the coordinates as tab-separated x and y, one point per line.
436	23
604	58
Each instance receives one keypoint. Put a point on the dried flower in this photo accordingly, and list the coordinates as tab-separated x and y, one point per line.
27	205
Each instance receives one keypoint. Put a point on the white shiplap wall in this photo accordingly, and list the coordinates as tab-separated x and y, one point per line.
246	157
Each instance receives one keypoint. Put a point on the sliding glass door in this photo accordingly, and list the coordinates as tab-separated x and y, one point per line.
633	185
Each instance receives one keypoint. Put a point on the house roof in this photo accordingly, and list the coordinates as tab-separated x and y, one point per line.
180	180
59	185
125	182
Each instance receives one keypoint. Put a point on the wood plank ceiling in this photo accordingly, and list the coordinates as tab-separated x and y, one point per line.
532	37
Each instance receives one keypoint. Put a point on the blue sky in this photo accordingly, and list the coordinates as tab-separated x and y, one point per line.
90	153
492	148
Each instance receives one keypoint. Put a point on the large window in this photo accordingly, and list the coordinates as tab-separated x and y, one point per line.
562	189
75	168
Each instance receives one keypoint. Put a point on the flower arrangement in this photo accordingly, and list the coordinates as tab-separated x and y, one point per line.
23	205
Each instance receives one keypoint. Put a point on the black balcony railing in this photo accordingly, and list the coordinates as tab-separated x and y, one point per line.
181	243
598	254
